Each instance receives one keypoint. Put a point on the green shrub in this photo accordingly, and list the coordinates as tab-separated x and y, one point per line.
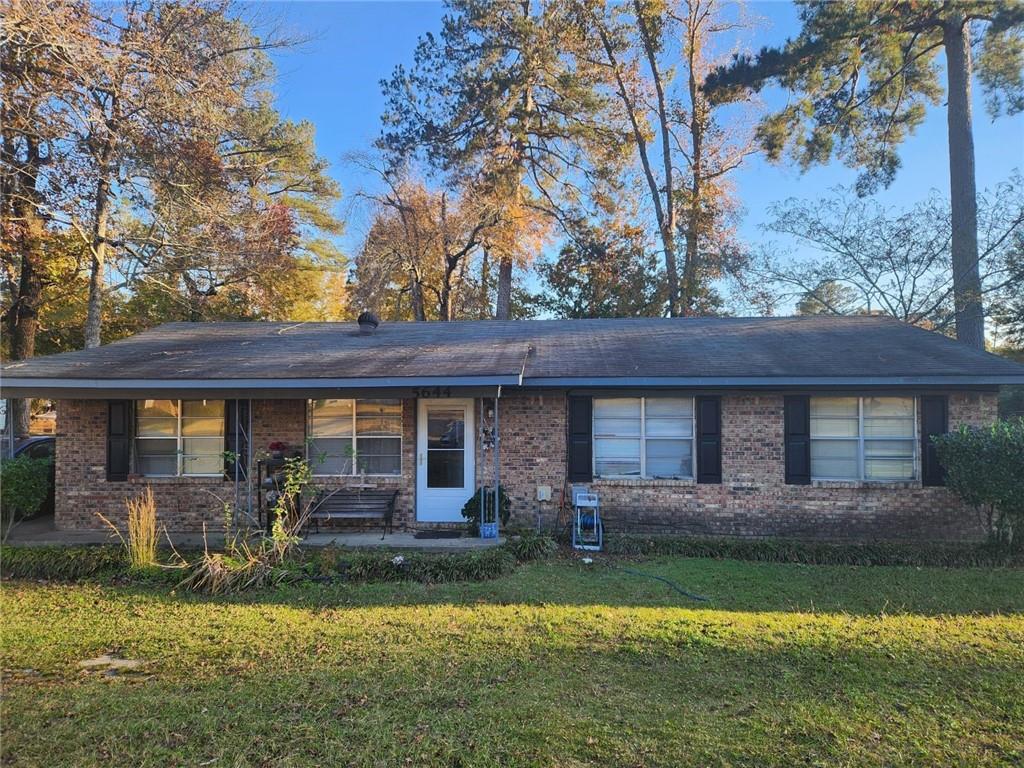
61	563
471	509
918	554
24	485
426	568
985	467
532	546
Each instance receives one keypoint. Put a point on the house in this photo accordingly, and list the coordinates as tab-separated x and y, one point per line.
800	426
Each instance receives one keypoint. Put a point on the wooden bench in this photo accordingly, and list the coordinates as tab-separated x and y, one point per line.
360	504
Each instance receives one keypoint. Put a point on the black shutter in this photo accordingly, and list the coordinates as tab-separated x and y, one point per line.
798	440
580	447
709	439
119	439
236	415
934	421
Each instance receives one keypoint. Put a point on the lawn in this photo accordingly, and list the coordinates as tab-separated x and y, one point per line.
560	664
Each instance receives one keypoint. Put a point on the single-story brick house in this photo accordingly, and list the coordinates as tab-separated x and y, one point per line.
802	426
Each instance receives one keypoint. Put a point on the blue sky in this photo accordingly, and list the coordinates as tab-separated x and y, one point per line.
333	81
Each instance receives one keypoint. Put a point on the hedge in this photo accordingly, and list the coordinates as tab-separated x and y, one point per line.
328	564
918	554
62	563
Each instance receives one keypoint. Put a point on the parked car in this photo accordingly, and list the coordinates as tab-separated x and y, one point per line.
40	447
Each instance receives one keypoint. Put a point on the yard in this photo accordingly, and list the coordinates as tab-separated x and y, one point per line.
559	664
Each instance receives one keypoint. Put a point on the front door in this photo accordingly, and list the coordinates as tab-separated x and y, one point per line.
444	459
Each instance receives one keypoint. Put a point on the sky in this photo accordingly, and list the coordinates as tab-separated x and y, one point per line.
333	80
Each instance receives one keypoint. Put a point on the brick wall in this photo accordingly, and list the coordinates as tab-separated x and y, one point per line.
752	500
186	503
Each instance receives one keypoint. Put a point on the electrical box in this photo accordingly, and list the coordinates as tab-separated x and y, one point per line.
543	493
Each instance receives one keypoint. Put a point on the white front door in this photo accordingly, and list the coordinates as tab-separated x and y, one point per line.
444	459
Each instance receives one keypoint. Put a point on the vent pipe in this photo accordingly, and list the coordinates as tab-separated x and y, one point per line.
368	322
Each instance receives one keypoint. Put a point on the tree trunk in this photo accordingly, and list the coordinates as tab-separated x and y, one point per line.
416	295
485	279
695	205
667	217
503	302
970	318
23	316
94	313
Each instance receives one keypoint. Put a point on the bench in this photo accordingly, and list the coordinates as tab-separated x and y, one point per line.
361	504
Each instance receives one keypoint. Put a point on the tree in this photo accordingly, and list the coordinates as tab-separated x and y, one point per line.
245	227
189	195
604	271
828	297
864	72
499	102
684	148
33	115
416	259
873	259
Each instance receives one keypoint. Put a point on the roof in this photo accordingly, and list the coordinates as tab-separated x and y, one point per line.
683	352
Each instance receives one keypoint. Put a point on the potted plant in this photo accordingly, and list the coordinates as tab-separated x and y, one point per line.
277	449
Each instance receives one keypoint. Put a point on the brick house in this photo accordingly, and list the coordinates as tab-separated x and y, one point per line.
807	427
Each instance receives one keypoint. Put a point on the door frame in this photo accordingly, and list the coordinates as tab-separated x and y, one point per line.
458	496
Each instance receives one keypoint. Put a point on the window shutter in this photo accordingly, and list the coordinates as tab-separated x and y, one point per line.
798	439
119	439
709	439
236	412
934	421
581	468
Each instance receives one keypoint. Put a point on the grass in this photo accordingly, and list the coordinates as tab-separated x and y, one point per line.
558	664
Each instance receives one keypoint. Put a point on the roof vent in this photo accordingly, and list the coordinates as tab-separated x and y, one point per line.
368	322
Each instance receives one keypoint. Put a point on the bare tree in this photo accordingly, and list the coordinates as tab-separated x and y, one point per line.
897	263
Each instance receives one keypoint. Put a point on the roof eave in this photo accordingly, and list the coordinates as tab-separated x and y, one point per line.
772	382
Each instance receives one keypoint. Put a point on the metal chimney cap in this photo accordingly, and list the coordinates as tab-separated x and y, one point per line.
368	322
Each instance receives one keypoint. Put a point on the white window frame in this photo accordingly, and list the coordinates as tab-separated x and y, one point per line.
179	453
310	437
643	440
860	439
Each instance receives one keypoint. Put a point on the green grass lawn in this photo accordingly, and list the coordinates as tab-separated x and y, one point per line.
560	664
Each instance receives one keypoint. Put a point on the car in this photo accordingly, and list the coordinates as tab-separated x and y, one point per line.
40	447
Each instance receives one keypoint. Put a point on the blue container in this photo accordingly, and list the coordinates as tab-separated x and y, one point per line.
488	530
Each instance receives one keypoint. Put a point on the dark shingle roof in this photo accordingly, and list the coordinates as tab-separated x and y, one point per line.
534	352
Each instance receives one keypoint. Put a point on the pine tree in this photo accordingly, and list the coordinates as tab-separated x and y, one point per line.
863	73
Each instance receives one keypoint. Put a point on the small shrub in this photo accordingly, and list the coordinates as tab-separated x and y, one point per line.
471	509
61	563
221	573
532	546
985	467
426	568
24	485
919	554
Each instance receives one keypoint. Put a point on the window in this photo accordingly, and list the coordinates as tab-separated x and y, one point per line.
349	437
649	437
179	437
863	438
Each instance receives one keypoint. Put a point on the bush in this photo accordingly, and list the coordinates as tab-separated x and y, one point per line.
532	546
985	467
61	563
478	565
24	485
917	554
471	509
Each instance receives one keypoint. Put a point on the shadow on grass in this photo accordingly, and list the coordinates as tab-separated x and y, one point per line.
727	585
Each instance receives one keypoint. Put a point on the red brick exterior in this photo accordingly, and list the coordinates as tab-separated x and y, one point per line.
752	499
